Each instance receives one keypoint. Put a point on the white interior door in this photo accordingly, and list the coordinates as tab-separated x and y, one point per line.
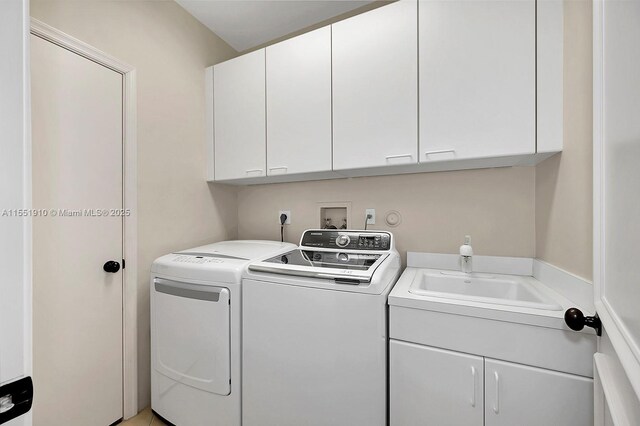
617	209
15	331
77	112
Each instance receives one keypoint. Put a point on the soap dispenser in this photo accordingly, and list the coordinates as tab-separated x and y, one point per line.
466	254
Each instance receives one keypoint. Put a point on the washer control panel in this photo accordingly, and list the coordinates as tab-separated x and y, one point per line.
351	240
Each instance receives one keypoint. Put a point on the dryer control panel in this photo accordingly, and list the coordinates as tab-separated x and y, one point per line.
348	240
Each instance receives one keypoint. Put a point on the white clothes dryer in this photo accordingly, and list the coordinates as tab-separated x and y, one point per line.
195	331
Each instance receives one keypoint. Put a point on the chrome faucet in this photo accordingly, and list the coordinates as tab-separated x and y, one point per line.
466	255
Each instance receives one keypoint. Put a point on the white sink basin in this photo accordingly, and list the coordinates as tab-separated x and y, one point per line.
484	288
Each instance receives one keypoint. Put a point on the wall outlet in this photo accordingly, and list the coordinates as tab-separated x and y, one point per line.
288	213
372	212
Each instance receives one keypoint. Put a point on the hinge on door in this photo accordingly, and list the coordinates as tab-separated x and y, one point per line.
123	264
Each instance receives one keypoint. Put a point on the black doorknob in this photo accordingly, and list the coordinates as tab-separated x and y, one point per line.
576	320
111	266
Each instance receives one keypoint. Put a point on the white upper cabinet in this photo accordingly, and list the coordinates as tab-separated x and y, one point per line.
239	117
299	104
375	105
424	85
550	68
477	78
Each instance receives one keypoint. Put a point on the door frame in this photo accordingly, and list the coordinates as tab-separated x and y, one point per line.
130	197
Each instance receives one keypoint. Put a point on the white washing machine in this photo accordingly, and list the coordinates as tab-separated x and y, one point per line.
315	331
195	331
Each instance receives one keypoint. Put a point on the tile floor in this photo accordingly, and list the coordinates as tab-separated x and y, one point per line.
144	418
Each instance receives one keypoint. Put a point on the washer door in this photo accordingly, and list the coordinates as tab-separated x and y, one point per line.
191	334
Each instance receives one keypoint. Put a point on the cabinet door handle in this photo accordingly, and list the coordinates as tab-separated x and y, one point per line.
473	383
253	171
278	168
389	157
496	405
439	151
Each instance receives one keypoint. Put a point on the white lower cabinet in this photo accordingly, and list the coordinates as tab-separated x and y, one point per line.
527	396
430	386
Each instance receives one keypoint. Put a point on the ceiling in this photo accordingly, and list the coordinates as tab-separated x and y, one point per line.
249	23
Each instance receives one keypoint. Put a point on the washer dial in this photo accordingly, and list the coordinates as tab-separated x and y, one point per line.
343	240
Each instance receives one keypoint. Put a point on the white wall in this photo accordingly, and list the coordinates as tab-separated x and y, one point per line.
564	189
495	206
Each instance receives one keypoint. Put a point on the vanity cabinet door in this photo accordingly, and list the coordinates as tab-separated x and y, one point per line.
239	117
431	386
527	396
375	88
477	78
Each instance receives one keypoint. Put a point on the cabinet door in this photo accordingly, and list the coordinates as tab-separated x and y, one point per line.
299	104
521	395
431	386
239	117
549	78
477	78
375	88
